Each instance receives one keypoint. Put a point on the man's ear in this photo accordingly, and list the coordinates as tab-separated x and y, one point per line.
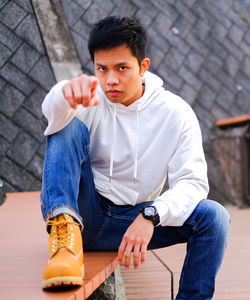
144	65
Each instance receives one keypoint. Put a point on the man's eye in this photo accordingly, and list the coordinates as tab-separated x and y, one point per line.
123	68
101	69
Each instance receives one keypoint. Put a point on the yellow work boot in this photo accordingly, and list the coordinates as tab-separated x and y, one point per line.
65	265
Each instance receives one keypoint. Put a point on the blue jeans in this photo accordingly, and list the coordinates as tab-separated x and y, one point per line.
68	187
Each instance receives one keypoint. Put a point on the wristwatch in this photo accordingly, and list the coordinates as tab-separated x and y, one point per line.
150	213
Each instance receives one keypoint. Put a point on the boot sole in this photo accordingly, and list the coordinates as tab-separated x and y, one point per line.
63	280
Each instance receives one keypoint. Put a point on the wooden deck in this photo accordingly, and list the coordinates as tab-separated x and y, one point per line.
153	280
157	279
24	254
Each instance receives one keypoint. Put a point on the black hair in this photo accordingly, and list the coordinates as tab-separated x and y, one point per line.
115	31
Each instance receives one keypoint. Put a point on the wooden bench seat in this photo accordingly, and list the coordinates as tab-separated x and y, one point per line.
24	253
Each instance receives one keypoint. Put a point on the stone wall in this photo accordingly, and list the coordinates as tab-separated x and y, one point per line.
25	78
201	49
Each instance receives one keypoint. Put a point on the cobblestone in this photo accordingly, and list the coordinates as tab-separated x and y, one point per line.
246	66
168	10
186	12
226	79
42	74
225	98
91	16
144	18
27	121
2	3
195	43
213	63
8	129
173	81
234	50
183	25
84	4
34	101
5	54
174	59
10	99
29	32
177	42
35	166
25	57
247	37
156	56
81	44
11	15
218	32
231	65
15	175
209	78
25	5
2	83
20	80
3	146
216	47
235	34
190	78
148	7
162	24
188	93
82	28
158	41
72	11
207	96
194	60
22	149
8	38
201	29
242	101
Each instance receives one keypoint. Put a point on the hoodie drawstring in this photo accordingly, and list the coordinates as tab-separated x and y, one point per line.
136	142
113	146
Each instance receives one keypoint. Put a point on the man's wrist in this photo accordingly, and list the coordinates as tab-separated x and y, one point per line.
150	213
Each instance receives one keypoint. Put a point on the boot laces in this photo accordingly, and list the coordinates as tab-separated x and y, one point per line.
61	237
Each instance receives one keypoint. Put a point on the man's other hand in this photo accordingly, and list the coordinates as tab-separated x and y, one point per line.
136	240
81	90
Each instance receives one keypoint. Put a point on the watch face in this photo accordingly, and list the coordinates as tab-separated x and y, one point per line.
149	211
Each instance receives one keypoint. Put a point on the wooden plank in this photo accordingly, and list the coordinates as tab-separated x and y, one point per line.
234	121
24	253
151	281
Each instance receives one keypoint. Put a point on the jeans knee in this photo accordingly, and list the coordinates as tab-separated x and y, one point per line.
75	130
218	218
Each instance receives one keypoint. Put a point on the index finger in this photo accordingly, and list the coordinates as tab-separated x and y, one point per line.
93	83
68	95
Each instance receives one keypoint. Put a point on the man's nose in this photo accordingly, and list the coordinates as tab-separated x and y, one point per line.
112	79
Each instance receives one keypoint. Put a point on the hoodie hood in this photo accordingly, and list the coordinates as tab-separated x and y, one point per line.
153	86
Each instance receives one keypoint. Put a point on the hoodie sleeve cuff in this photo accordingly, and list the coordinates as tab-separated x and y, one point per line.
162	210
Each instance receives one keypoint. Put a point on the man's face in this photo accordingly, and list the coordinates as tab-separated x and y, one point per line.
119	74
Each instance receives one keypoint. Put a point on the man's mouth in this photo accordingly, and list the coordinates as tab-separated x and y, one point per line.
113	93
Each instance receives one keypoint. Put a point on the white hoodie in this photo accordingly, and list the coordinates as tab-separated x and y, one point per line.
133	149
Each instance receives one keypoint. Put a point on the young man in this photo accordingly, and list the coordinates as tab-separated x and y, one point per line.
112	141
